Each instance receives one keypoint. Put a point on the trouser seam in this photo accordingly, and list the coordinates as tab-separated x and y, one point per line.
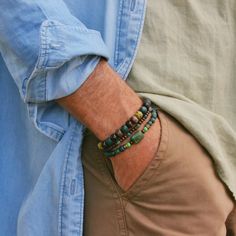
120	210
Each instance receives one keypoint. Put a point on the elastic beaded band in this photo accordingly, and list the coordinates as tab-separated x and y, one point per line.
125	130
136	138
131	131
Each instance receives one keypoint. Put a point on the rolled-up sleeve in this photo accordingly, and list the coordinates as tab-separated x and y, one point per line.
47	50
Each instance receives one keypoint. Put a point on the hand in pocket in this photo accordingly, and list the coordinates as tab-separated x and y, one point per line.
129	165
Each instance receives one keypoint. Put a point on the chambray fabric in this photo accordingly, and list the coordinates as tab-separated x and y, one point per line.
48	49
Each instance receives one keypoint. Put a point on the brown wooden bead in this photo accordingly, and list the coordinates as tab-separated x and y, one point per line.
114	137
134	119
119	133
129	124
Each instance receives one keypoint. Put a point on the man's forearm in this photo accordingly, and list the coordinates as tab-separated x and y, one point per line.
103	104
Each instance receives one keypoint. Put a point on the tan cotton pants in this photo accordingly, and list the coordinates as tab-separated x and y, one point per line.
178	194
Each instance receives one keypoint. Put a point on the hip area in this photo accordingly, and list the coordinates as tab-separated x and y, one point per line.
178	194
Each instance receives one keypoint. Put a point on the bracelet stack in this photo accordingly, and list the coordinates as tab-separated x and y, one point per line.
113	145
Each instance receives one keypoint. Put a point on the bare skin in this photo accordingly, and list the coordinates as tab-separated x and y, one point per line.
103	103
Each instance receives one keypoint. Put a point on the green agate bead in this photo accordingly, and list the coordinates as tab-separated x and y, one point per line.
108	142
137	137
125	129
127	145
145	129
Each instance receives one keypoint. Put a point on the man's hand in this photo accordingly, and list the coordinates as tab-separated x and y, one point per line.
104	103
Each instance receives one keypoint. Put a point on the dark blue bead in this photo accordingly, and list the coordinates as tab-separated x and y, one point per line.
143	109
108	142
154	114
147	102
114	138
125	129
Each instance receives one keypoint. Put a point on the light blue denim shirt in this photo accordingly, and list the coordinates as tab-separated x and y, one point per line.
48	49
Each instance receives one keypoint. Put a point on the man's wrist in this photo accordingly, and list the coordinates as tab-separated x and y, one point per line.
104	102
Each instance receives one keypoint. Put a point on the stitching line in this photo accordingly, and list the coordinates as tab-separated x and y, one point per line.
63	183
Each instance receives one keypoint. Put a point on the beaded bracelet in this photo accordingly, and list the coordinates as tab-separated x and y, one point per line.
136	138
120	140
131	124
129	127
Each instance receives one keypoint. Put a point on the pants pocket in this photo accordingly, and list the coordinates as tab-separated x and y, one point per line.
144	179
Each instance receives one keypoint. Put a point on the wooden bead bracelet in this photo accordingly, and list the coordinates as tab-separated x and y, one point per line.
128	128
136	138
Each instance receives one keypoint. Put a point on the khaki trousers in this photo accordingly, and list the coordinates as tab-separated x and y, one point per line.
178	194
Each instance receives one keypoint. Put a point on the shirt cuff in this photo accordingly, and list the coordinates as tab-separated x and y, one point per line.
68	55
